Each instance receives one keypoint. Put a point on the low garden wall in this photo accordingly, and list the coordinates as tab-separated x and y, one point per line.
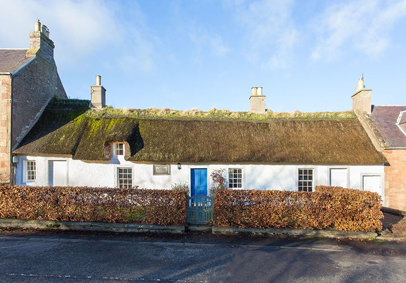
328	208
112	205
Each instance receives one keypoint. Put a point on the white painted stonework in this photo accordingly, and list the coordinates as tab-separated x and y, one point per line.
255	176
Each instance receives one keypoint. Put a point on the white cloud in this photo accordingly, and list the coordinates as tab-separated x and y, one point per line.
269	30
76	25
79	29
205	40
362	25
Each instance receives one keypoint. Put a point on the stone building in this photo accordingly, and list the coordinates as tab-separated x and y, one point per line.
28	80
386	126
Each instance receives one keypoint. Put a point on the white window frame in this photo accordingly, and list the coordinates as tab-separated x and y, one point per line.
118	177
312	180
241	177
118	149
26	171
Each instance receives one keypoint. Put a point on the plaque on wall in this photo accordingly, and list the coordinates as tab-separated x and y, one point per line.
162	169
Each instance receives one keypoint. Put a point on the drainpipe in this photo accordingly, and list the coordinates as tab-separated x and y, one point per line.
11	130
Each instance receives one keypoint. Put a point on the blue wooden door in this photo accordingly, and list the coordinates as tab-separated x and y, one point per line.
199	182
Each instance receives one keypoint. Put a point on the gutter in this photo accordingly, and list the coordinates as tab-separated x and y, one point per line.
395	148
398	121
15	72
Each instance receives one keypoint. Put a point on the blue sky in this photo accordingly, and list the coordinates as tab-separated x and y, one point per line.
307	55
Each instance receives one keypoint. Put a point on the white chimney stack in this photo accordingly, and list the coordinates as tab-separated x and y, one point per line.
361	99
98	94
257	100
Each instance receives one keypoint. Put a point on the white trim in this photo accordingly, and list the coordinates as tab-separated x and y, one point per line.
242	178
116	175
35	171
314	178
115	148
398	121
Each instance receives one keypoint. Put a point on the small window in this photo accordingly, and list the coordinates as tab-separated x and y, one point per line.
31	171
235	178
305	180
125	178
118	149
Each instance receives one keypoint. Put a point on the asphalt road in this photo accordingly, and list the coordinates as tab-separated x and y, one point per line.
195	257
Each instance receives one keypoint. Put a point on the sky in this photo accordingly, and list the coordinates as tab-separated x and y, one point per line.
204	54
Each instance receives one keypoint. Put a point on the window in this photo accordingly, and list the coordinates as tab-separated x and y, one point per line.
125	178
118	149
31	171
305	180
235	178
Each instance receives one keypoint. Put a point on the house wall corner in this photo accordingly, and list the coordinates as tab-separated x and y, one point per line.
5	128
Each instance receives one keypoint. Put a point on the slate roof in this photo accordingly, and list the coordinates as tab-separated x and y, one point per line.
385	119
12	59
75	131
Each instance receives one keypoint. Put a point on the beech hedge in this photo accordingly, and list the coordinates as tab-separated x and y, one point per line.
159	207
327	208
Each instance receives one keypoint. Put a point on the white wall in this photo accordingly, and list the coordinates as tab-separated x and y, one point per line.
255	176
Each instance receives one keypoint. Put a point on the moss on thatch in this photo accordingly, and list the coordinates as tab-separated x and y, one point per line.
84	135
215	114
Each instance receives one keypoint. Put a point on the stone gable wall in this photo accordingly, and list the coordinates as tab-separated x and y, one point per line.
32	88
395	179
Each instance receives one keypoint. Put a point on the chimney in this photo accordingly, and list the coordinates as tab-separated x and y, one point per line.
361	99
257	100
40	43
98	94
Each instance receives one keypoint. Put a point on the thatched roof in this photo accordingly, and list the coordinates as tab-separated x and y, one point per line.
72	131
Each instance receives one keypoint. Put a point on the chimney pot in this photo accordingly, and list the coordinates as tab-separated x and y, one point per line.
98	80
360	85
259	91
361	99
37	26
254	90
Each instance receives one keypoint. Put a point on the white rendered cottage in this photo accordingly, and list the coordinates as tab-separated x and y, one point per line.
72	145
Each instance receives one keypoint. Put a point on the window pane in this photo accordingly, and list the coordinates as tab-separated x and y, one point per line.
119	149
31	171
235	178
125	177
305	180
